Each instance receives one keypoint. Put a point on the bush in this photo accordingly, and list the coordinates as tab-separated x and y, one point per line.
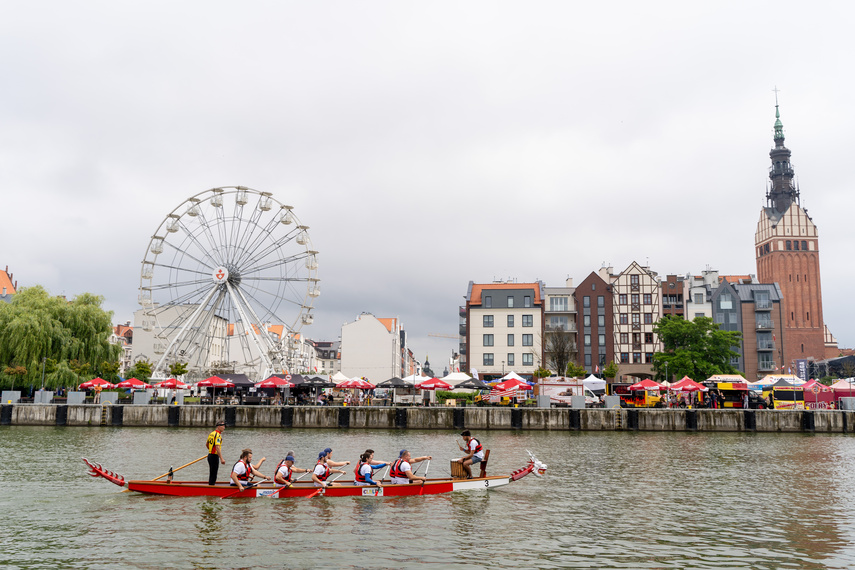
443	395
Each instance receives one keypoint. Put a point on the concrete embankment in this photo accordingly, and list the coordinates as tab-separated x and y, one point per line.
835	421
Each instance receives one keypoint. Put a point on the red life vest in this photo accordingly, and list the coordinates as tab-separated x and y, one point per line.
477	445
357	473
247	474
278	467
395	471
326	472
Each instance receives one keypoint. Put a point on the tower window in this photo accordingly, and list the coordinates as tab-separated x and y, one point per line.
808	315
804	245
789	245
796	245
792	315
803	347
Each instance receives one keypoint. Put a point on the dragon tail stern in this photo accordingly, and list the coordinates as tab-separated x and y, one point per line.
95	470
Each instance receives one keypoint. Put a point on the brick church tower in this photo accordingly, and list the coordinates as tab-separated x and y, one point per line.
787	251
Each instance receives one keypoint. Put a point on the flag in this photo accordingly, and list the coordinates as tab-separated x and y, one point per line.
474	374
597	369
789	370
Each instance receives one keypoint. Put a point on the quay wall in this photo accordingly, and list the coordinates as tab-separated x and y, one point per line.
475	418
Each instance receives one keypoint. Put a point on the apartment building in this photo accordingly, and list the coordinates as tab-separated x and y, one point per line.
375	348
595	321
637	307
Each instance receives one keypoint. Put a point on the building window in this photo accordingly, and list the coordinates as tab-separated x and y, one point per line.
528	321
634	298
648	299
488	340
623	319
587	340
510	359
488	302
633	279
789	245
601	339
586	320
636	319
804	246
528	340
586	301
648	318
510	340
527	302
510	302
648	358
588	360
636	358
558	304
601	301
622	298
624	338
510	321
488	359
601	320
488	321
648	338
624	358
796	245
699	298
602	358
528	359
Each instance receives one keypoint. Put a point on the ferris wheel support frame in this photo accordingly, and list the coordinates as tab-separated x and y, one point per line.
244	321
191	320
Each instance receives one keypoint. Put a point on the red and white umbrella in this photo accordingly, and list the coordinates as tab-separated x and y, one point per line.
133	383
356	383
172	384
512	384
434	384
688	385
215	382
647	384
275	382
96	382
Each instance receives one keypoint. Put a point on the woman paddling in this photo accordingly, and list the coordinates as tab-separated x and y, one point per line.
365	468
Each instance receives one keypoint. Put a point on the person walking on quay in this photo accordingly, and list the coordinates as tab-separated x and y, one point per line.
402	471
473	450
215	454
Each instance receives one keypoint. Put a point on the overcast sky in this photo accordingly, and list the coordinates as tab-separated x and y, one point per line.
425	144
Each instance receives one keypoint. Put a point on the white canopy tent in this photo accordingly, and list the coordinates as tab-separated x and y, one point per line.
456	378
512	376
593	383
338	378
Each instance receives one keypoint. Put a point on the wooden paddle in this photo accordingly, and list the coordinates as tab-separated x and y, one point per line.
173	471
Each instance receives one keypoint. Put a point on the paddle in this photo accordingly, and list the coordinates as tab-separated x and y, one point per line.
245	487
427	468
173	471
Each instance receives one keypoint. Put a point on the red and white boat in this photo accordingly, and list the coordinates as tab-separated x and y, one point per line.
308	488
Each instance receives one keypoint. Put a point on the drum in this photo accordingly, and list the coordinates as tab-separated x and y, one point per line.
457	471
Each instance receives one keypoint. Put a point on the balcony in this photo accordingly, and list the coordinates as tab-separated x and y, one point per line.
762	305
765	345
766	366
462	330
764	325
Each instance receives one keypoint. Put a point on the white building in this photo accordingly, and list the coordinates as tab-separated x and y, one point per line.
374	347
637	306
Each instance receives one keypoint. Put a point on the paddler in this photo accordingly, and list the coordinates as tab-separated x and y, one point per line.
365	468
473	450
401	472
330	462
243	471
322	471
215	455
285	470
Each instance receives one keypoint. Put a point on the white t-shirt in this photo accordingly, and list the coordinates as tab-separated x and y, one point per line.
284	472
239	469
365	470
319	470
472	445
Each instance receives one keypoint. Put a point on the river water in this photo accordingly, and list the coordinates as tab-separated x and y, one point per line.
608	500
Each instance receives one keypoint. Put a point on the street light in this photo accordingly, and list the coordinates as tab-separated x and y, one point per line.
503	368
44	360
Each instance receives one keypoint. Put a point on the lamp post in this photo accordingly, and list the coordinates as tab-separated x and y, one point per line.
503	368
666	371
44	360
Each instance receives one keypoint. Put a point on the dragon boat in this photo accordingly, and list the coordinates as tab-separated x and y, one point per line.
270	490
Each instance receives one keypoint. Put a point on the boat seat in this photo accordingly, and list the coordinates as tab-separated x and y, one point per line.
483	464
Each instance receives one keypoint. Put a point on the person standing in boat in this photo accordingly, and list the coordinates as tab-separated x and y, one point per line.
365	468
401	471
243	471
285	471
473	450
322	471
215	455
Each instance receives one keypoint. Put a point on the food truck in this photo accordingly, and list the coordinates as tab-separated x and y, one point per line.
561	390
636	398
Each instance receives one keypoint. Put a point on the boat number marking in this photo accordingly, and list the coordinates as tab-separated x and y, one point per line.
487	483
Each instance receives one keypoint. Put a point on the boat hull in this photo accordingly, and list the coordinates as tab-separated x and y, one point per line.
300	489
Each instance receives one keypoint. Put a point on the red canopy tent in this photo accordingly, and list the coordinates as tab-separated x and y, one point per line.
171	384
647	384
275	382
512	384
133	383
688	385
215	382
89	384
434	384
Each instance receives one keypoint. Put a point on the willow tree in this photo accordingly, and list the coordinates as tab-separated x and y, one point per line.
37	328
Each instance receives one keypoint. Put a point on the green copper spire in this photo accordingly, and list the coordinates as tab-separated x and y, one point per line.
779	126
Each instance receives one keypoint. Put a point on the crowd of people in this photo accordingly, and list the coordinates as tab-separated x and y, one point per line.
401	471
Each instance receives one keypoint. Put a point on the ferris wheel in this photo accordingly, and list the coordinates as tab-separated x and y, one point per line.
229	276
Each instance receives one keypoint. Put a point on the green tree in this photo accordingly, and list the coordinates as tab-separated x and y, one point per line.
574	370
177	369
541	372
141	370
611	370
697	349
109	370
36	325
